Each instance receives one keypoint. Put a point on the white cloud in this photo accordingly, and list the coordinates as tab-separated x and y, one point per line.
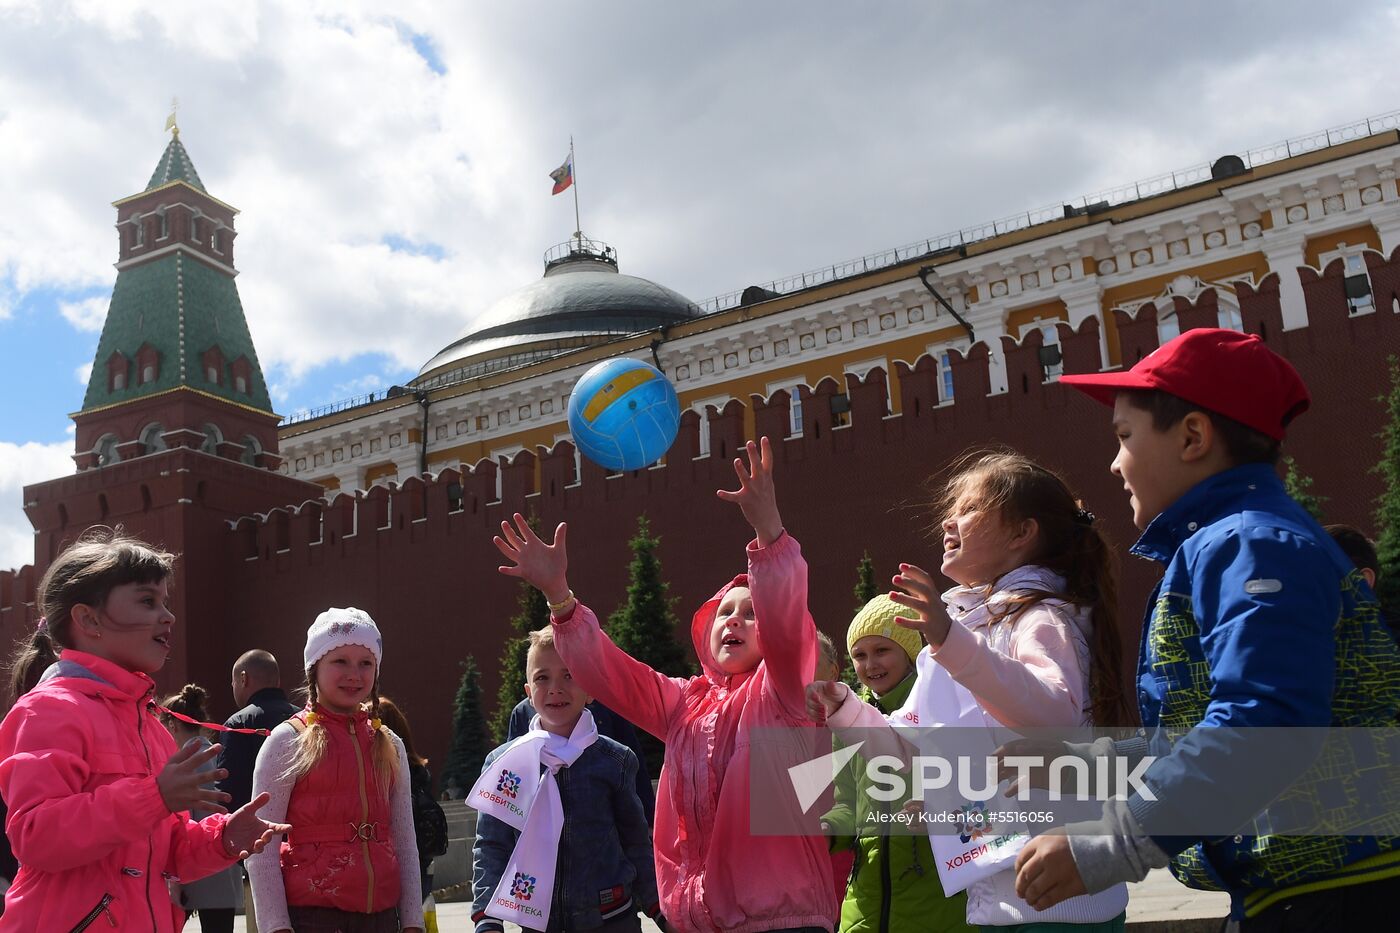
21	465
83	374
86	315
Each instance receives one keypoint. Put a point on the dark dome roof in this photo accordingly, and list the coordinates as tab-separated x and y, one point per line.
581	296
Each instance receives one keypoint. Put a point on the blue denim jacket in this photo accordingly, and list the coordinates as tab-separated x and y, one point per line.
1259	620
605	864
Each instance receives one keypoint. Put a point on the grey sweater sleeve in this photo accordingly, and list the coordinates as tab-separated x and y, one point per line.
265	868
1113	848
406	845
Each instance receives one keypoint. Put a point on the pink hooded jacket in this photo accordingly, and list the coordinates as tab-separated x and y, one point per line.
78	758
711	871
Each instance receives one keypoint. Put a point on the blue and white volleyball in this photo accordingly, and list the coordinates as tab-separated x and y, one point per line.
624	414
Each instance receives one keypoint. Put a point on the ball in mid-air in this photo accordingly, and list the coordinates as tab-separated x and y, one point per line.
624	414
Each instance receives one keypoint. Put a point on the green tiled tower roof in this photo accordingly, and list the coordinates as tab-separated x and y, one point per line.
175	165
181	307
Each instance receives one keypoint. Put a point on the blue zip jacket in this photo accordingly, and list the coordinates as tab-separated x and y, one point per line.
1259	621
605	866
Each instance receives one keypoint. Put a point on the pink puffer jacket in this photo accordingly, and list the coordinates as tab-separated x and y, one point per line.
78	758
711	871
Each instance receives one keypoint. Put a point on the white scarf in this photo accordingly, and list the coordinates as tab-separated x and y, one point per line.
518	793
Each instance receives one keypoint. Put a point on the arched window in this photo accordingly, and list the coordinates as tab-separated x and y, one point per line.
106	450
240	385
152	439
251	450
213	437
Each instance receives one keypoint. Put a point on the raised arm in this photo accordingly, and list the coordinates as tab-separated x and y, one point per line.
624	684
777	581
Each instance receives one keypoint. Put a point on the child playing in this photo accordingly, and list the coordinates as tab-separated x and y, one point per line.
758	647
97	791
572	850
1259	621
216	897
341	780
1029	632
894	884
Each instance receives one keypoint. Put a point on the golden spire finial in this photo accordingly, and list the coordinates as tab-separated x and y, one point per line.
170	123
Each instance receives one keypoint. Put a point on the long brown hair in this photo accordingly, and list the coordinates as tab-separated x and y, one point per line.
1069	543
84	574
397	723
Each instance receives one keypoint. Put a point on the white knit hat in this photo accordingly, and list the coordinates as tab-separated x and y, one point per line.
336	628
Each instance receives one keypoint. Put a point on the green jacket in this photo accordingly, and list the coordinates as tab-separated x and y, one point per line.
894	883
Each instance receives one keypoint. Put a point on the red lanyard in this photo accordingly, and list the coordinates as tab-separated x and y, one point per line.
207	725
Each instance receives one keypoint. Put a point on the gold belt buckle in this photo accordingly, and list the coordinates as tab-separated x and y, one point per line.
364	832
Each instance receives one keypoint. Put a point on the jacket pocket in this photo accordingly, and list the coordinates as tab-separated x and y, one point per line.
102	908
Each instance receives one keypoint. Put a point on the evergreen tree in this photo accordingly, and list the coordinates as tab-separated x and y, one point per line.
645	625
1388	505
533	614
1299	485
865	589
470	741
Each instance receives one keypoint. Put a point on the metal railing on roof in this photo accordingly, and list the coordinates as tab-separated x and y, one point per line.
1109	197
311	414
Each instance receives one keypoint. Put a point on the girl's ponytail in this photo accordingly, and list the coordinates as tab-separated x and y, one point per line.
31	658
311	742
386	759
1092	580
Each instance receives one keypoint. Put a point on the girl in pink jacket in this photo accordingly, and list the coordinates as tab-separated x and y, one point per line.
98	795
1030	631
758	647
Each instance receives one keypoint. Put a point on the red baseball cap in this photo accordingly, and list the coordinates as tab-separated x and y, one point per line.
1223	371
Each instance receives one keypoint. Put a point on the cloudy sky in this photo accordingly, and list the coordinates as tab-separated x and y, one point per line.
392	169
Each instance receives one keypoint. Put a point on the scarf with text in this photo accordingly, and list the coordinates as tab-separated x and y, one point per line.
520	790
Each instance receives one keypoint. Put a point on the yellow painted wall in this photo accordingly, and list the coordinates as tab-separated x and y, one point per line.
328	483
1363	235
1046	311
1144	289
378	472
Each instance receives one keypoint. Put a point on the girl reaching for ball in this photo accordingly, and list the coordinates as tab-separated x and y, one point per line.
758	647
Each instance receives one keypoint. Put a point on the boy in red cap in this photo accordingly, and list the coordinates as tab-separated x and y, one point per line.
1259	621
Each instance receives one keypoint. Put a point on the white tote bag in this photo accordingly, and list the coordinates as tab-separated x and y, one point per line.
979	848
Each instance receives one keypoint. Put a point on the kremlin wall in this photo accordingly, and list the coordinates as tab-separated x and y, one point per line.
273	527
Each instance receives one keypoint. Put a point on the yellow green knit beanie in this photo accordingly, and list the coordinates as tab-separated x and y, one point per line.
877	618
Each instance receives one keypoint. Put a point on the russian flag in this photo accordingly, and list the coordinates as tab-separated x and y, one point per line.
563	175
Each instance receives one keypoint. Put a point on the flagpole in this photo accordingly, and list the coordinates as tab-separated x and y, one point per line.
578	226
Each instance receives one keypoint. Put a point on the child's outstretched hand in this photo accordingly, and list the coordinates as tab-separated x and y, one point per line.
921	595
755	495
246	833
543	566
824	697
181	782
